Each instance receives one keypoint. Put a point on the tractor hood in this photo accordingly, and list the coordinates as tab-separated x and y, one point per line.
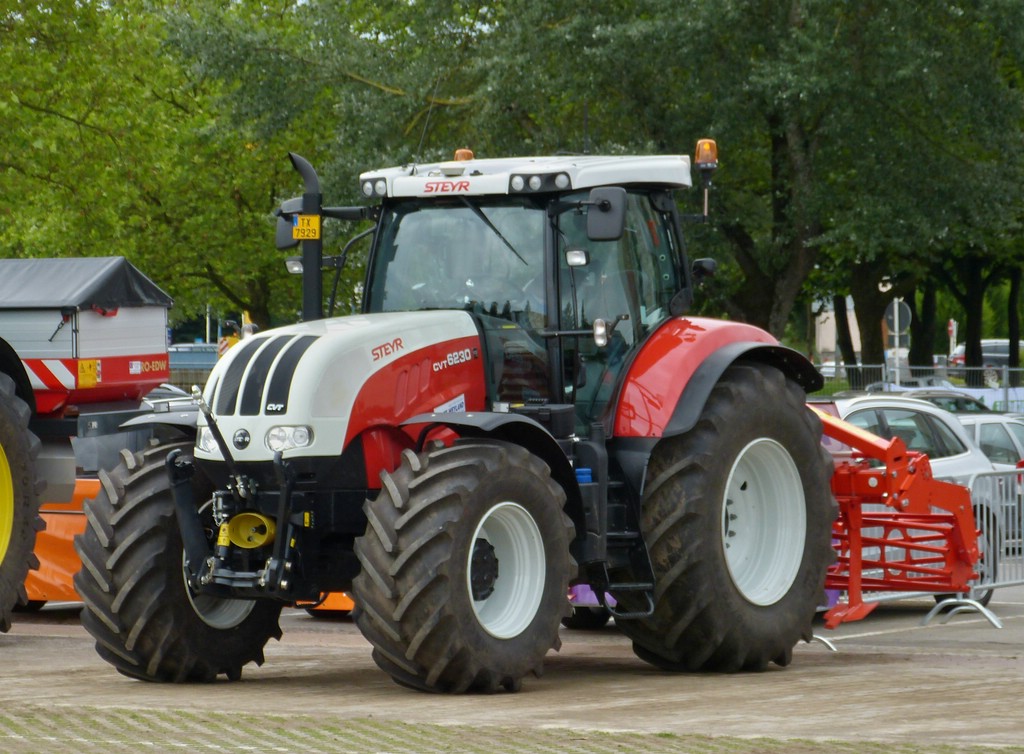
323	382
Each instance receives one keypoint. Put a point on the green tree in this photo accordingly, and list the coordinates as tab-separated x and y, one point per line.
160	130
115	147
924	156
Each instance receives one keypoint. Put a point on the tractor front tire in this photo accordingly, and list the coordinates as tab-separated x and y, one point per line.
737	515
465	568
145	619
20	486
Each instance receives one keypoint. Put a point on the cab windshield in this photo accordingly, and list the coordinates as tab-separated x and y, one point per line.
486	255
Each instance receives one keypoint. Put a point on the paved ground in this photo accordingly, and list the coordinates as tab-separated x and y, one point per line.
892	686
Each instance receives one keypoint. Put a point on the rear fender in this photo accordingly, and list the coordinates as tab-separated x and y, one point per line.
695	395
667	385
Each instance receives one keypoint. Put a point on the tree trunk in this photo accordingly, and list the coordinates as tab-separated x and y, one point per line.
974	307
774	273
1013	318
844	340
922	331
967	280
869	305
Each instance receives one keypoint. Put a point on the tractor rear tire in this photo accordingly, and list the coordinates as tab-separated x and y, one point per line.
465	568
145	619
20	486
737	516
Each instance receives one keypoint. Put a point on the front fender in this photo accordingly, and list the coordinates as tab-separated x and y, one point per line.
669	381
514	428
182	420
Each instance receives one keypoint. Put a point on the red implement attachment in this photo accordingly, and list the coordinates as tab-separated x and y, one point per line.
925	540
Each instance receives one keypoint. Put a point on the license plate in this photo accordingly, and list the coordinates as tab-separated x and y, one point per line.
306	227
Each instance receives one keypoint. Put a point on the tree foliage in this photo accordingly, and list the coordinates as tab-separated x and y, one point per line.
859	141
115	148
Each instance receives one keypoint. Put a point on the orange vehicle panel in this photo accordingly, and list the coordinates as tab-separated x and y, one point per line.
337	601
58	561
334	602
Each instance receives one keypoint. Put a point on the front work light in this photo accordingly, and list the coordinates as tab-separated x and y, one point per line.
283	438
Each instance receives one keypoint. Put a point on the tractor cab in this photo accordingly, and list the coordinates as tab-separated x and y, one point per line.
563	286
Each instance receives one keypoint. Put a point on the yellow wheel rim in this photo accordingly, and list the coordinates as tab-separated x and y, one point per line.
6	505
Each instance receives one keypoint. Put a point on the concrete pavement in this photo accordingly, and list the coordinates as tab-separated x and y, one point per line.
893	685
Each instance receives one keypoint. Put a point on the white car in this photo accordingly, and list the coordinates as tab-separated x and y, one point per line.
1000	437
923	427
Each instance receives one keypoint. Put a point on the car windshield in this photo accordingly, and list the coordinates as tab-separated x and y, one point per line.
958	404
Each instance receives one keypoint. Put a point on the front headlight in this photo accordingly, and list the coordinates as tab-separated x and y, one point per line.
205	441
288	438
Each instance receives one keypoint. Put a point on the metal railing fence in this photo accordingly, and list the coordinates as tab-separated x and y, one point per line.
1001	388
997	498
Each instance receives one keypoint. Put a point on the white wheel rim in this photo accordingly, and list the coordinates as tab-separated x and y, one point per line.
217	612
519	587
764	522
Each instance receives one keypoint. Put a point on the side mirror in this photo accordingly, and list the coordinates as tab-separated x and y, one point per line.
703	268
606	218
283	235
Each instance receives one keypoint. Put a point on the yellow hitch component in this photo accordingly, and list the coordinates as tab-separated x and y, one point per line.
250	530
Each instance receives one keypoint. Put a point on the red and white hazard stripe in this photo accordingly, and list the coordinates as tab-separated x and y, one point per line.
52	374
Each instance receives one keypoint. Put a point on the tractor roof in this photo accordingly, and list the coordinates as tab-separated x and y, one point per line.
524	175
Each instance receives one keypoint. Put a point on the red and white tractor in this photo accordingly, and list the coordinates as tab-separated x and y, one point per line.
524	404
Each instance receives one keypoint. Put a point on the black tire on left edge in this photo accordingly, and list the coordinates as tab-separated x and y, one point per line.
737	515
146	622
465	568
19	500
